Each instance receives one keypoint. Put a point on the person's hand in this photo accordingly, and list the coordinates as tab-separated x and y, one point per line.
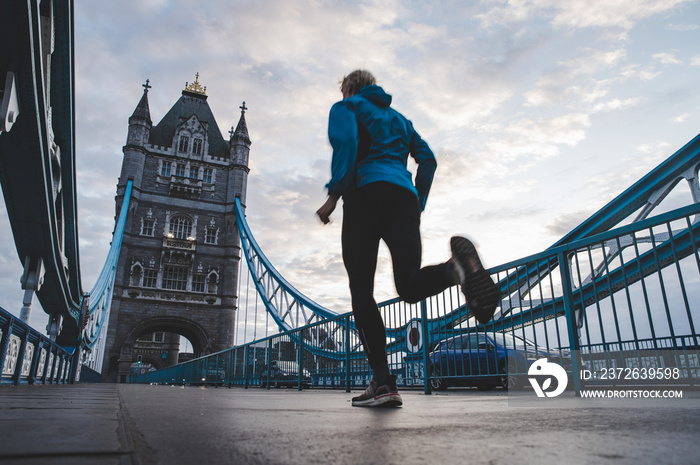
327	208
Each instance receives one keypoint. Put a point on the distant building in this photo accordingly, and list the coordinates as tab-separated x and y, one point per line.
179	261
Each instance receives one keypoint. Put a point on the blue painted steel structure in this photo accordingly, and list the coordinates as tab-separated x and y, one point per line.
37	155
100	298
28	357
37	173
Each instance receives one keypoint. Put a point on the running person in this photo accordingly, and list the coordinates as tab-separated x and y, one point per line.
371	143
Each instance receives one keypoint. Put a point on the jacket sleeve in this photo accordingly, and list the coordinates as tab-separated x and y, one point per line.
342	134
427	164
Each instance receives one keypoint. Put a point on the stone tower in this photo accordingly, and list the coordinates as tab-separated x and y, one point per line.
179	261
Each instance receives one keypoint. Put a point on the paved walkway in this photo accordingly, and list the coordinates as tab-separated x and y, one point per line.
127	424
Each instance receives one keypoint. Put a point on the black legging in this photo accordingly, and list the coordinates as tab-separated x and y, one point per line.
384	211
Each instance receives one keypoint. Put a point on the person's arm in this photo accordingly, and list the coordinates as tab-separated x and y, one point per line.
342	134
427	164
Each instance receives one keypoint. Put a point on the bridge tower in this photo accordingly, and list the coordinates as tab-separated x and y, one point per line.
179	262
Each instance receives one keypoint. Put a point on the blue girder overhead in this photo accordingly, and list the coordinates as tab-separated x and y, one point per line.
37	153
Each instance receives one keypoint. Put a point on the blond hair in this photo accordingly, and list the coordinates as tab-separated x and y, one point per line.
357	80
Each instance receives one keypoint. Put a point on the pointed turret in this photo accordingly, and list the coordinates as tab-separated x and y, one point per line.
240	140
239	144
241	132
136	139
140	121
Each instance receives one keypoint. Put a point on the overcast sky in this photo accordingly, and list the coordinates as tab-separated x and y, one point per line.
539	112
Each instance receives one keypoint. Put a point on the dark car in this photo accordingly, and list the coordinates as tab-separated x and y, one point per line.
487	360
284	373
211	373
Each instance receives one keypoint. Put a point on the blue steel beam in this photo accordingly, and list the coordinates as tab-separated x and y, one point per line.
37	163
276	284
642	195
682	244
100	298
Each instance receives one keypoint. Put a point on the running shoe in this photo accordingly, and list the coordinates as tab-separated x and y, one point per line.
477	286
384	394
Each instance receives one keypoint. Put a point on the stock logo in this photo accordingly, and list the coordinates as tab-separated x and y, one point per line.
552	370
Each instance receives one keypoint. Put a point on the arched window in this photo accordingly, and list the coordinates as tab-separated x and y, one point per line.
136	274
184	144
180	227
212	282
197	146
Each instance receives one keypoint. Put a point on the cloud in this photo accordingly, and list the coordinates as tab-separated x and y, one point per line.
666	58
566	223
577	14
616	104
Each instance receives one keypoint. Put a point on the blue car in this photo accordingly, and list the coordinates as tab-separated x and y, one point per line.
487	360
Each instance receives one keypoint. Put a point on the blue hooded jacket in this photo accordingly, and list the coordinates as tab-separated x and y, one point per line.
371	142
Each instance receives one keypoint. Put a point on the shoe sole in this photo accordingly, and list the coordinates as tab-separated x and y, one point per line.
478	288
386	400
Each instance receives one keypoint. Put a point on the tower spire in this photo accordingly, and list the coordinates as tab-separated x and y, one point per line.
140	123
142	111
241	132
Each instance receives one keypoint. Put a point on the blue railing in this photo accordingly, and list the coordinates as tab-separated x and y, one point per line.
28	357
636	288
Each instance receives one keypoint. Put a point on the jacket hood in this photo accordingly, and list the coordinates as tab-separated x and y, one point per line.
376	95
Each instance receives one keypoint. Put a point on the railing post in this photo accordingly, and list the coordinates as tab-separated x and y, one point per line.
570	318
31	379
230	366
300	359
347	353
245	366
426	348
268	361
16	377
4	344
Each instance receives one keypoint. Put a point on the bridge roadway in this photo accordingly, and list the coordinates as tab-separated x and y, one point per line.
141	424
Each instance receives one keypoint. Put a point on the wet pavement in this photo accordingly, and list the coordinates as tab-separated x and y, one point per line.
142	424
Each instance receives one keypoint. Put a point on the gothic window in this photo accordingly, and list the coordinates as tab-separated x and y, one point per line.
150	278
175	278
197	146
147	227
180	227
136	273
180	170
165	169
184	144
212	280
198	282
210	237
194	172
207	175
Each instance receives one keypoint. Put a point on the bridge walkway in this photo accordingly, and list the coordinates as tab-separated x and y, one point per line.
143	424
